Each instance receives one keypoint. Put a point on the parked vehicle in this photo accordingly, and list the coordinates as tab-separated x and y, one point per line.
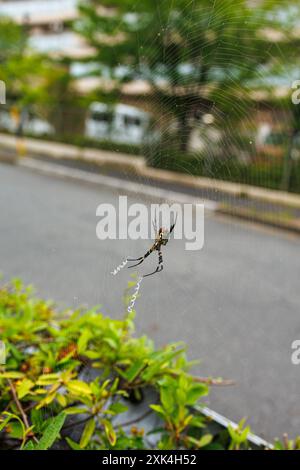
31	124
6	121
121	123
36	125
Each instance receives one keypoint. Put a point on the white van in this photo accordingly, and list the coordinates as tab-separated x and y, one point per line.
36	125
120	123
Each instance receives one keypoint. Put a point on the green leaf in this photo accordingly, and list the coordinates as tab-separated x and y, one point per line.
37	419
109	431
47	379
202	442
118	408
244	434
51	432
195	392
15	352
197	422
11	375
16	417
231	431
29	446
47	400
73	410
24	388
78	387
111	342
159	409
167	398
5	422
278	445
73	444
92	354
87	433
205	440
16	430
133	371
84	338
62	400
181	397
160	360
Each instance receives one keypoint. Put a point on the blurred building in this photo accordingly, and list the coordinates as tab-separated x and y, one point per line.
40	13
48	22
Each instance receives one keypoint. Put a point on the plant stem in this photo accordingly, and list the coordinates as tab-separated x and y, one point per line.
19	406
212	381
136	420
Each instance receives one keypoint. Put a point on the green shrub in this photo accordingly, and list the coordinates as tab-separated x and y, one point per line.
43	385
78	371
268	175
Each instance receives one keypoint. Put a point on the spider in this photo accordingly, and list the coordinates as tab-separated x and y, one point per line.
161	239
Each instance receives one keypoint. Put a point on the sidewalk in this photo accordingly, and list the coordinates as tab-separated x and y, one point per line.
274	208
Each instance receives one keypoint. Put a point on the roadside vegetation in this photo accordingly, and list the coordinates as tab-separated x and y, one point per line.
75	380
265	173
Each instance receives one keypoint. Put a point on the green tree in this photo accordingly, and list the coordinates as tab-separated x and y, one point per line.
197	55
12	40
59	101
19	69
37	82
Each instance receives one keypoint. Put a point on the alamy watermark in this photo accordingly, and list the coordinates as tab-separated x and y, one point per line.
139	221
2	92
295	356
296	92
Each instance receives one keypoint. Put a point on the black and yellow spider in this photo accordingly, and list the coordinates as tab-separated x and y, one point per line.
161	239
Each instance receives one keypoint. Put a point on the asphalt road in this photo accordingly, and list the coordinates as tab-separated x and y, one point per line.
236	303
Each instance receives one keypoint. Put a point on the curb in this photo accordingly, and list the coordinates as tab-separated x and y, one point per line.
113	182
138	165
162	195
224	422
58	150
292	225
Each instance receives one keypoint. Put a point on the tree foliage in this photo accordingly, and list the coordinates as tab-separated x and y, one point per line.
197	56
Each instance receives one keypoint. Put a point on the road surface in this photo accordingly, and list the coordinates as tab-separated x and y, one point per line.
236	303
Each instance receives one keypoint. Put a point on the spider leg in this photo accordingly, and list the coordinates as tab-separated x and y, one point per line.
135	259
154	223
173	225
142	258
136	263
160	265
